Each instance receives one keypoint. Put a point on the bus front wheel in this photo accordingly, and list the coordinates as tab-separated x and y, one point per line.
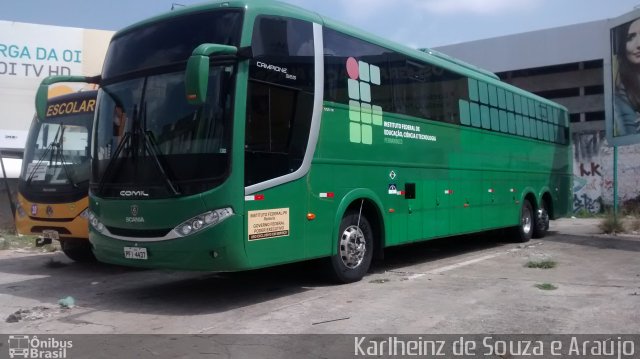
355	249
78	249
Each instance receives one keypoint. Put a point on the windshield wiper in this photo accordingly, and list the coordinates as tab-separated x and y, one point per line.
152	147
60	156
46	151
55	149
126	138
131	138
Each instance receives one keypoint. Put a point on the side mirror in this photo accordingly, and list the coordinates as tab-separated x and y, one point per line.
197	73
42	95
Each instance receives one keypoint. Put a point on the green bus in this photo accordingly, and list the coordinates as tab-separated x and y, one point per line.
244	134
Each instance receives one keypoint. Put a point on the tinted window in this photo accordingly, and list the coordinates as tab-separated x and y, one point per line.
283	52
177	136
369	71
473	89
280	98
390	80
484	92
493	96
278	121
427	91
409	86
170	41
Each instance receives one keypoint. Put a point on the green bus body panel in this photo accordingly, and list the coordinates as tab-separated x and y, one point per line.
194	252
466	179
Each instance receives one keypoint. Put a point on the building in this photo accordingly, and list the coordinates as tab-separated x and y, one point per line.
568	65
28	54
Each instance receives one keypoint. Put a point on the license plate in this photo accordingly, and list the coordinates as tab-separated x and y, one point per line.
50	234
135	253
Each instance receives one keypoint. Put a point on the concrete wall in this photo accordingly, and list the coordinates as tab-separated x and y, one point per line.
593	184
560	45
589	155
628	174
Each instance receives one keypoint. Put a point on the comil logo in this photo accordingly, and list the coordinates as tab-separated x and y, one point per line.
128	193
25	346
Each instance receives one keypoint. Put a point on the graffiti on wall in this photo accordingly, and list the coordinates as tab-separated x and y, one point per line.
593	184
628	174
587	171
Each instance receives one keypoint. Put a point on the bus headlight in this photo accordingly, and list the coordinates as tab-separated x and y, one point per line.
85	214
202	221
94	222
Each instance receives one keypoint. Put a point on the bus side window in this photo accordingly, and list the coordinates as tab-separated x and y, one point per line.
338	49
280	98
427	91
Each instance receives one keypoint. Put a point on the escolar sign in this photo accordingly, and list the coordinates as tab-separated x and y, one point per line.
72	107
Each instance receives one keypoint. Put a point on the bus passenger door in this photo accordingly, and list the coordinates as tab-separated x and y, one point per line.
280	107
275	225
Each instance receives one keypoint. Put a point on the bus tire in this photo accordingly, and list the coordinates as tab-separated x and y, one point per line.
78	249
355	249
524	231
541	222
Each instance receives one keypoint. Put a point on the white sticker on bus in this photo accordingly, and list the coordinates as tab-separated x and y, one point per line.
268	223
37	171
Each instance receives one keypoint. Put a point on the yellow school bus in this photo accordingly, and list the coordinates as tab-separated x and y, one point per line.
54	181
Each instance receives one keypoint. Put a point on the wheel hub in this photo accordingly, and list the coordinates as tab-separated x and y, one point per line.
543	219
526	220
352	247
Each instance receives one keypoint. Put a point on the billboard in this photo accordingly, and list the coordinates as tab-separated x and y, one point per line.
28	54
623	80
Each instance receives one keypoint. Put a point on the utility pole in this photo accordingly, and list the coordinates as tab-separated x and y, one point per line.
615	183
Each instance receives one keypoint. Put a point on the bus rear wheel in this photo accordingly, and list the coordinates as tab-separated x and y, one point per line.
355	249
541	222
524	231
78	249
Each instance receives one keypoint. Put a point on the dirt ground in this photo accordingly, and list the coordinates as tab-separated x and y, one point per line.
472	284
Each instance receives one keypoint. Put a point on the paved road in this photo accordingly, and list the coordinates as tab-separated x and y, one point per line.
474	284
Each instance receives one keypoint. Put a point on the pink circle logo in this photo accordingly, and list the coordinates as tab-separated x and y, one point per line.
352	68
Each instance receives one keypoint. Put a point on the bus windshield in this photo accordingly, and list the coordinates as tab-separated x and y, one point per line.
57	151
147	134
167	43
148	138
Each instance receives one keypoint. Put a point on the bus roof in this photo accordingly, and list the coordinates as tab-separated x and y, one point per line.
285	9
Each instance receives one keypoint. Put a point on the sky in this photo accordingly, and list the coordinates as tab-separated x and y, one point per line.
416	23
